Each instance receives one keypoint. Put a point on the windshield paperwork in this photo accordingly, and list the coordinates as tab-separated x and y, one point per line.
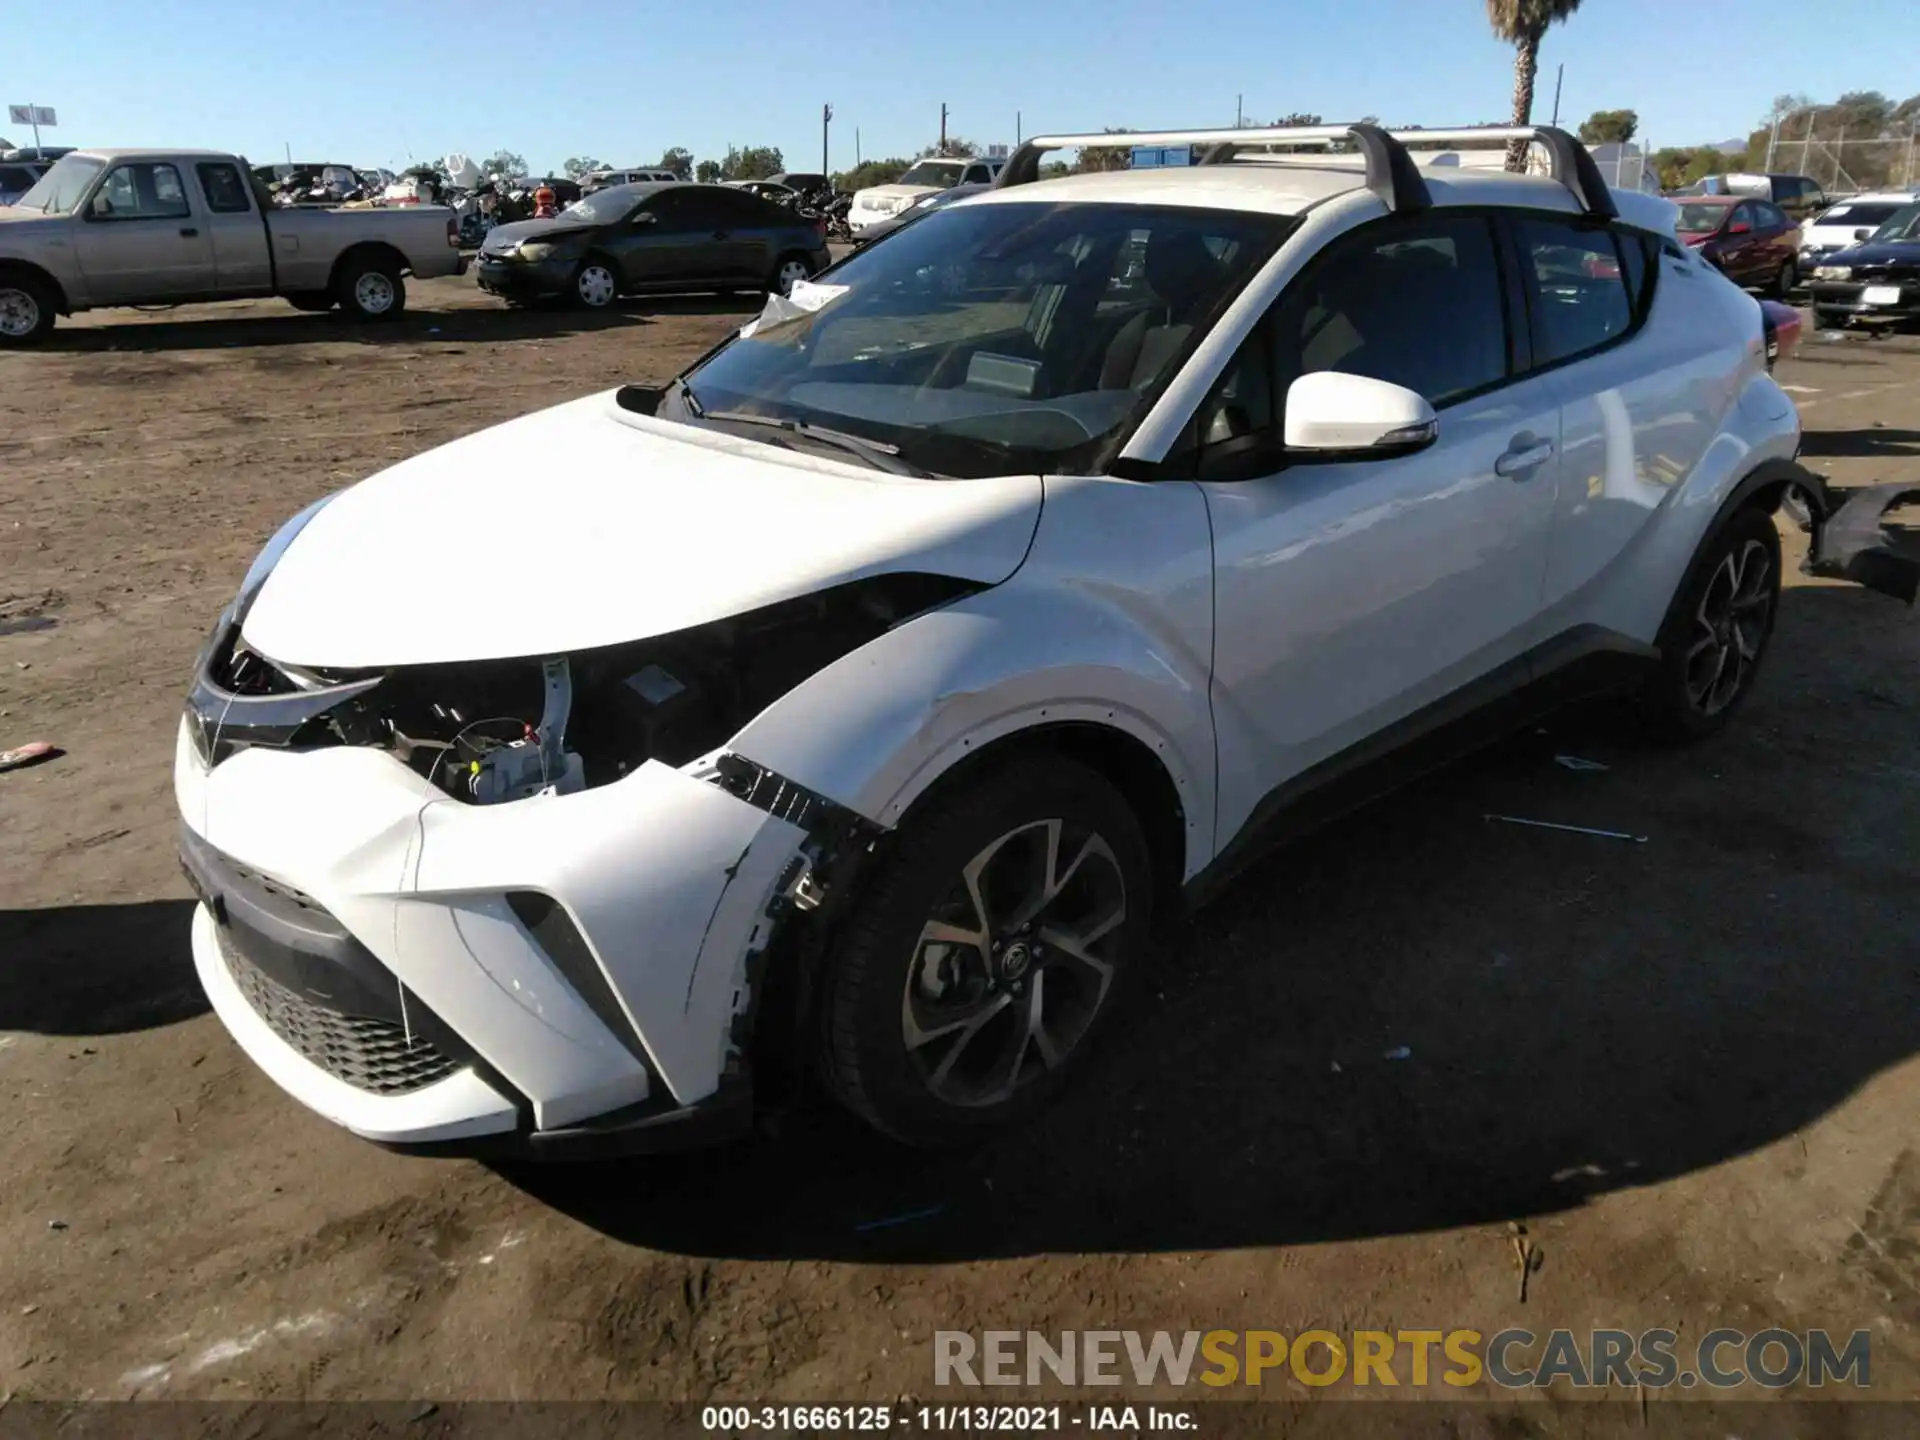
603	207
59	190
1905	225
993	339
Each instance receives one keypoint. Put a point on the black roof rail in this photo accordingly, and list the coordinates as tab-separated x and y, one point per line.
1392	173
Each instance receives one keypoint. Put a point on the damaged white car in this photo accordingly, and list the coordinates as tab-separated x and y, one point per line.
864	697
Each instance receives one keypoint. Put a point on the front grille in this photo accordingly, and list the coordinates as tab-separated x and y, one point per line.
369	1054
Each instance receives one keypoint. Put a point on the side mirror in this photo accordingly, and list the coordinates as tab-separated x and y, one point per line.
1863	234
101	205
1356	417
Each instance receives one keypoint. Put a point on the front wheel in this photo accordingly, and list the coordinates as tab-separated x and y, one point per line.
1784	282
1716	631
990	945
594	285
372	289
26	311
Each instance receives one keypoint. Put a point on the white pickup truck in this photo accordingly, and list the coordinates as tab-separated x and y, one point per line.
161	227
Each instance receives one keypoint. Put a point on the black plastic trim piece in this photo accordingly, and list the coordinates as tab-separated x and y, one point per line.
552	929
1578	664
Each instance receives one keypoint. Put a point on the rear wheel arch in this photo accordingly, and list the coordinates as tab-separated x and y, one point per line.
367	250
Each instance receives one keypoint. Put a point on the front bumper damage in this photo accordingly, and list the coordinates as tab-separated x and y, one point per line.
563	974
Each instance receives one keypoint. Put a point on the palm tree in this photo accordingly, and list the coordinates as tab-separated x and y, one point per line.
1522	23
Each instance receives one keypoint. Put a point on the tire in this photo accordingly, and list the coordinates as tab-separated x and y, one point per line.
1715	635
26	311
1829	319
371	288
789	268
1784	282
932	1041
596	284
311	304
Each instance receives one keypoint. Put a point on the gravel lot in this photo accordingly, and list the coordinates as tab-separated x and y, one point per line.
1688	1067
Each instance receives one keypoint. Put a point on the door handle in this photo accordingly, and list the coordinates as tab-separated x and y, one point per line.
189	231
1519	463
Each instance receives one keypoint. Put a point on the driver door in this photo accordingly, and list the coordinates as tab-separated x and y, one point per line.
139	240
1353	597
664	244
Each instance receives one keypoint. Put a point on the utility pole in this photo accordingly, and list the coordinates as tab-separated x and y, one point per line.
856	147
826	119
1018	133
1239	111
1559	74
943	127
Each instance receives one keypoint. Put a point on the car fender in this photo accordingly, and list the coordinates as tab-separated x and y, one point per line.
1108	623
1759	436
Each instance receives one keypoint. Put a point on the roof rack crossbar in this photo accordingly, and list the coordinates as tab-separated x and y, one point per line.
1392	174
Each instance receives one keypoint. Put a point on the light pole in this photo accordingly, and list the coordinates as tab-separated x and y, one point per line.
826	119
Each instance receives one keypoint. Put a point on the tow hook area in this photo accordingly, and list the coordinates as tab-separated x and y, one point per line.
1853	540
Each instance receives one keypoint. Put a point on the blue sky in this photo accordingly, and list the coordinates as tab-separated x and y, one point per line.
373	83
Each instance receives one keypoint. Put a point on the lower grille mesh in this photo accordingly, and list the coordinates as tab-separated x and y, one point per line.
369	1054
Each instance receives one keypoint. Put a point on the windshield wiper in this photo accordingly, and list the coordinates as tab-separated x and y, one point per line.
877	453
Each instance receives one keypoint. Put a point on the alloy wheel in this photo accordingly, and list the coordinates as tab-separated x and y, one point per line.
1013	966
19	313
1729	628
595	286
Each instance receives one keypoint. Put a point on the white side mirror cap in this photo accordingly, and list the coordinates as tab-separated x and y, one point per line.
1329	410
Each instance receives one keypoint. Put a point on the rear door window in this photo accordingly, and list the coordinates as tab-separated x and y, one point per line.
226	192
1577	287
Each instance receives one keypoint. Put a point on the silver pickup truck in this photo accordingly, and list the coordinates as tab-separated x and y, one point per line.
160	227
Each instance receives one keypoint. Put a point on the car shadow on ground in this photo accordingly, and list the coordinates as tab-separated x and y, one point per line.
1419	1019
469	324
1875	443
98	969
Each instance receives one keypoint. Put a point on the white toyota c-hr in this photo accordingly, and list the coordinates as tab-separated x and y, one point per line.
871	691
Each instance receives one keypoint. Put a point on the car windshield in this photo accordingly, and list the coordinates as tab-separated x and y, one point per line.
603	207
933	172
1904	225
59	190
1702	219
996	338
1860	217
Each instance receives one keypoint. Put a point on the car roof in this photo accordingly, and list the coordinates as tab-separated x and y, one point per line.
1724	201
151	154
1303	182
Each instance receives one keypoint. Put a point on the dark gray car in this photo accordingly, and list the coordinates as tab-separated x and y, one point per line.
651	239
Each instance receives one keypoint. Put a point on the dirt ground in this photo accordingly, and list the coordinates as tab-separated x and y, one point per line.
1688	1067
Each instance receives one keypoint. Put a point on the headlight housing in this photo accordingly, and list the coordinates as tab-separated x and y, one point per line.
535	250
1833	272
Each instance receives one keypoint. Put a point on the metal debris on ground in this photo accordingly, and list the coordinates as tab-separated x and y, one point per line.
1526	1254
1574	762
1570	829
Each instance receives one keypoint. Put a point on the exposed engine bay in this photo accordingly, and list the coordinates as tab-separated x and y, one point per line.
487	732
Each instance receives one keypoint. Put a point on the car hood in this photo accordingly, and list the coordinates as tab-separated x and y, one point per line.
1887	252
586	525
505	237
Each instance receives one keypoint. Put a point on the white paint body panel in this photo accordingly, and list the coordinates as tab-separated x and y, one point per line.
667	878
586	525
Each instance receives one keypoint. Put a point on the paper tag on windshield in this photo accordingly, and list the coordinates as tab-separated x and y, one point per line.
804	298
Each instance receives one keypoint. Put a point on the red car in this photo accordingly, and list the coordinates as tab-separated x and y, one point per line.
1753	241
